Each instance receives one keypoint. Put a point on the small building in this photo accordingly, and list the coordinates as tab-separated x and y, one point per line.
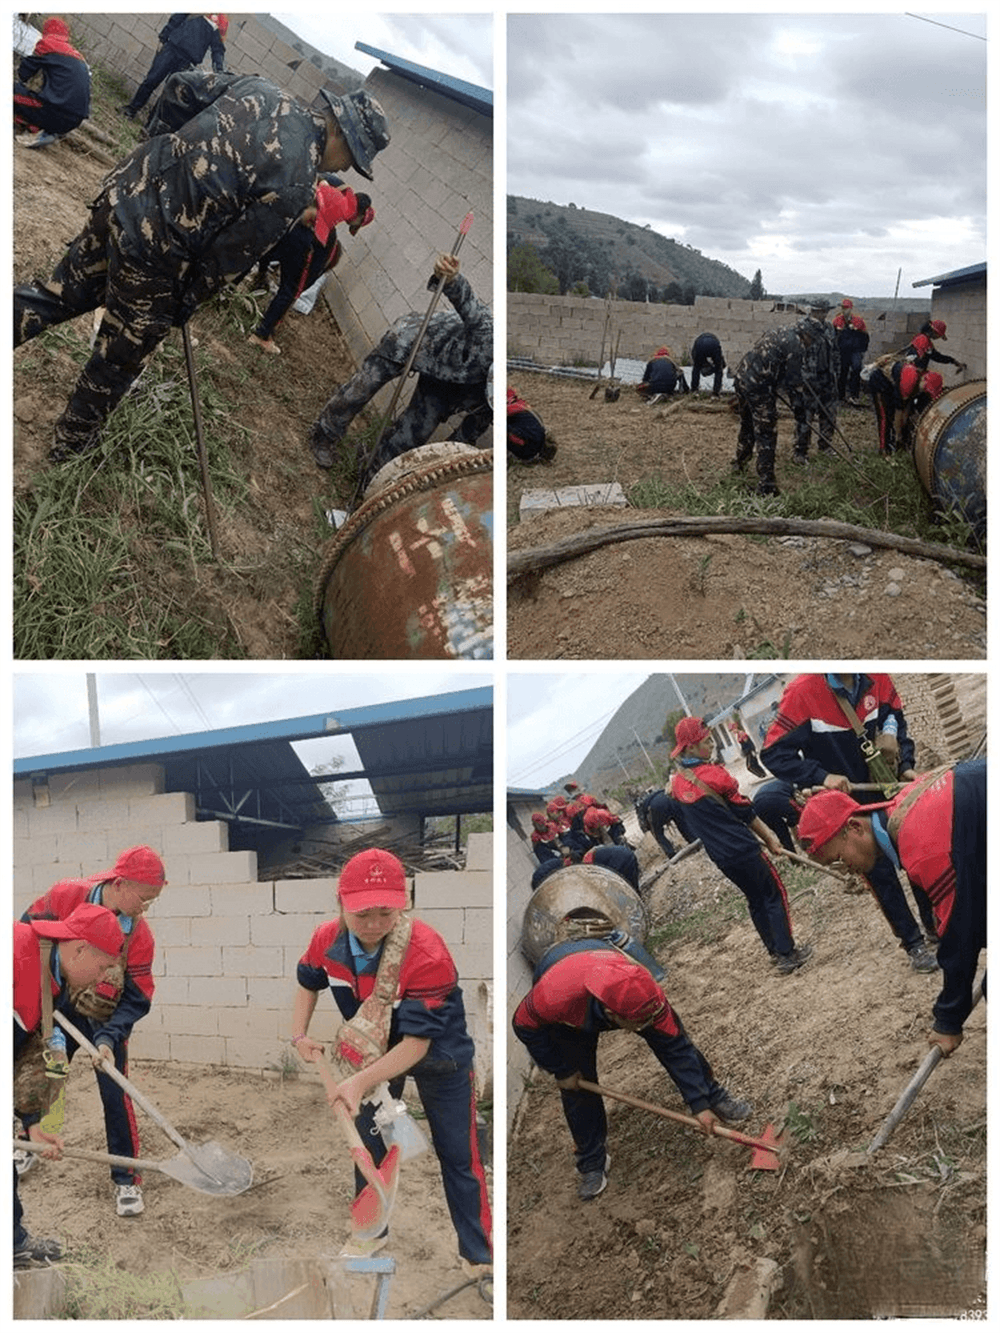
959	299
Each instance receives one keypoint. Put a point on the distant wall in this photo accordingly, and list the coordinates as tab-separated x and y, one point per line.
562	329
438	166
227	944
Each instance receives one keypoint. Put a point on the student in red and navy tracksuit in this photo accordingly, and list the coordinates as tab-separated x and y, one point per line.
63	100
87	943
582	988
935	828
129	888
811	743
727	823
616	829
545	838
428	1038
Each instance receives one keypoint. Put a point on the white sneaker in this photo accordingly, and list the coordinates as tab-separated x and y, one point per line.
128	1201
24	1161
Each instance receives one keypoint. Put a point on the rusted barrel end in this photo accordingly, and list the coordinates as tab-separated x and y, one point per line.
574	887
949	452
410	573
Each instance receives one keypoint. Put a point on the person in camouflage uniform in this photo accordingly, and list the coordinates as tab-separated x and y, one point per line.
453	364
775	362
822	367
231	167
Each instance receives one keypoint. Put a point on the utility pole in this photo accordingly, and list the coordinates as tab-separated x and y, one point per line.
95	724
643	749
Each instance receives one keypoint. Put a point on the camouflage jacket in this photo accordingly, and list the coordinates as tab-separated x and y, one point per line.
208	199
775	360
822	359
457	347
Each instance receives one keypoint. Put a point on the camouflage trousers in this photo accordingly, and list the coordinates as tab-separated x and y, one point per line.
433	402
141	303
758	409
820	410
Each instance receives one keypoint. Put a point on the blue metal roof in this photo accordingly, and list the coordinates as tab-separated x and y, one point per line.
956	276
425	756
468	94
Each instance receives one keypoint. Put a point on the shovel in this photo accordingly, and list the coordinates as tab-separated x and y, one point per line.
230	1174
766	1148
370	1209
909	1094
178	1168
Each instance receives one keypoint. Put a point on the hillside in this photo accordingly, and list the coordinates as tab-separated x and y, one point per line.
579	245
643	714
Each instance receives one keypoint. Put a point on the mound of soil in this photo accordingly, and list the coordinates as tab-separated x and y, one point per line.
730	597
297	1208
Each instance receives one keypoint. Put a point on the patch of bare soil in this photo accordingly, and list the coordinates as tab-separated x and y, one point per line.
297	1208
829	1049
717	597
269	557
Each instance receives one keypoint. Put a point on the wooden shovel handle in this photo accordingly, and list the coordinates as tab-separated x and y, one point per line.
362	1157
815	865
682	1119
108	1068
86	1155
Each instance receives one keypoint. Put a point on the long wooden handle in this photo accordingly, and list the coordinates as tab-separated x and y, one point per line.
362	1157
85	1154
814	865
679	1116
108	1068
909	1094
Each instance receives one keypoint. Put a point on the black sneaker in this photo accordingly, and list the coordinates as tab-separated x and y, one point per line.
767	488
921	958
37	1252
127	111
592	1183
802	459
791	962
732	1109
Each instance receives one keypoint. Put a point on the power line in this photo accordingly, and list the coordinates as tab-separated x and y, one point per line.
978	35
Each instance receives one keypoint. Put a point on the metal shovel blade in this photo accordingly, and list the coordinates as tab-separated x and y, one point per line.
211	1169
371	1208
763	1160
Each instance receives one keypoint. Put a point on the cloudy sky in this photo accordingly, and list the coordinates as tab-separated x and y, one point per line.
456	44
827	151
554	718
51	715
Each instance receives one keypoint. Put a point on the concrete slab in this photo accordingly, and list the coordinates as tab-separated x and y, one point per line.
565	497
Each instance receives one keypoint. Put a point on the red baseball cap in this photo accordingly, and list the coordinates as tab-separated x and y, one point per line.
595	817
939	326
932	383
825	814
539	820
689	731
847	303
97	926
140	865
627	990
374	878
661	351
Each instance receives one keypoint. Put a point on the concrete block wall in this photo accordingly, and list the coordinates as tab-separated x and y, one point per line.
562	329
438	166
125	43
963	309
227	944
521	866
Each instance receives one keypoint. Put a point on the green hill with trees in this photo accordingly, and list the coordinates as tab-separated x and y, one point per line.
562	248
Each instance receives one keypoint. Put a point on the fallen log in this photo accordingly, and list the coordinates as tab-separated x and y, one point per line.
536	558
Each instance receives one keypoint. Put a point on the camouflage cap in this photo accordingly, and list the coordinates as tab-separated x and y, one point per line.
362	123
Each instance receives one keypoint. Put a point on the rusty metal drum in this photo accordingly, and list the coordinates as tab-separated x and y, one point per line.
568	890
410	573
949	451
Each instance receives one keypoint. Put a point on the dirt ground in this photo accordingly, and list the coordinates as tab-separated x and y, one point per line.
298	1206
831	1047
723	597
254	588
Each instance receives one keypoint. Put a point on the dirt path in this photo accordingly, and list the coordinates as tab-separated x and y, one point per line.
725	597
298	1206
